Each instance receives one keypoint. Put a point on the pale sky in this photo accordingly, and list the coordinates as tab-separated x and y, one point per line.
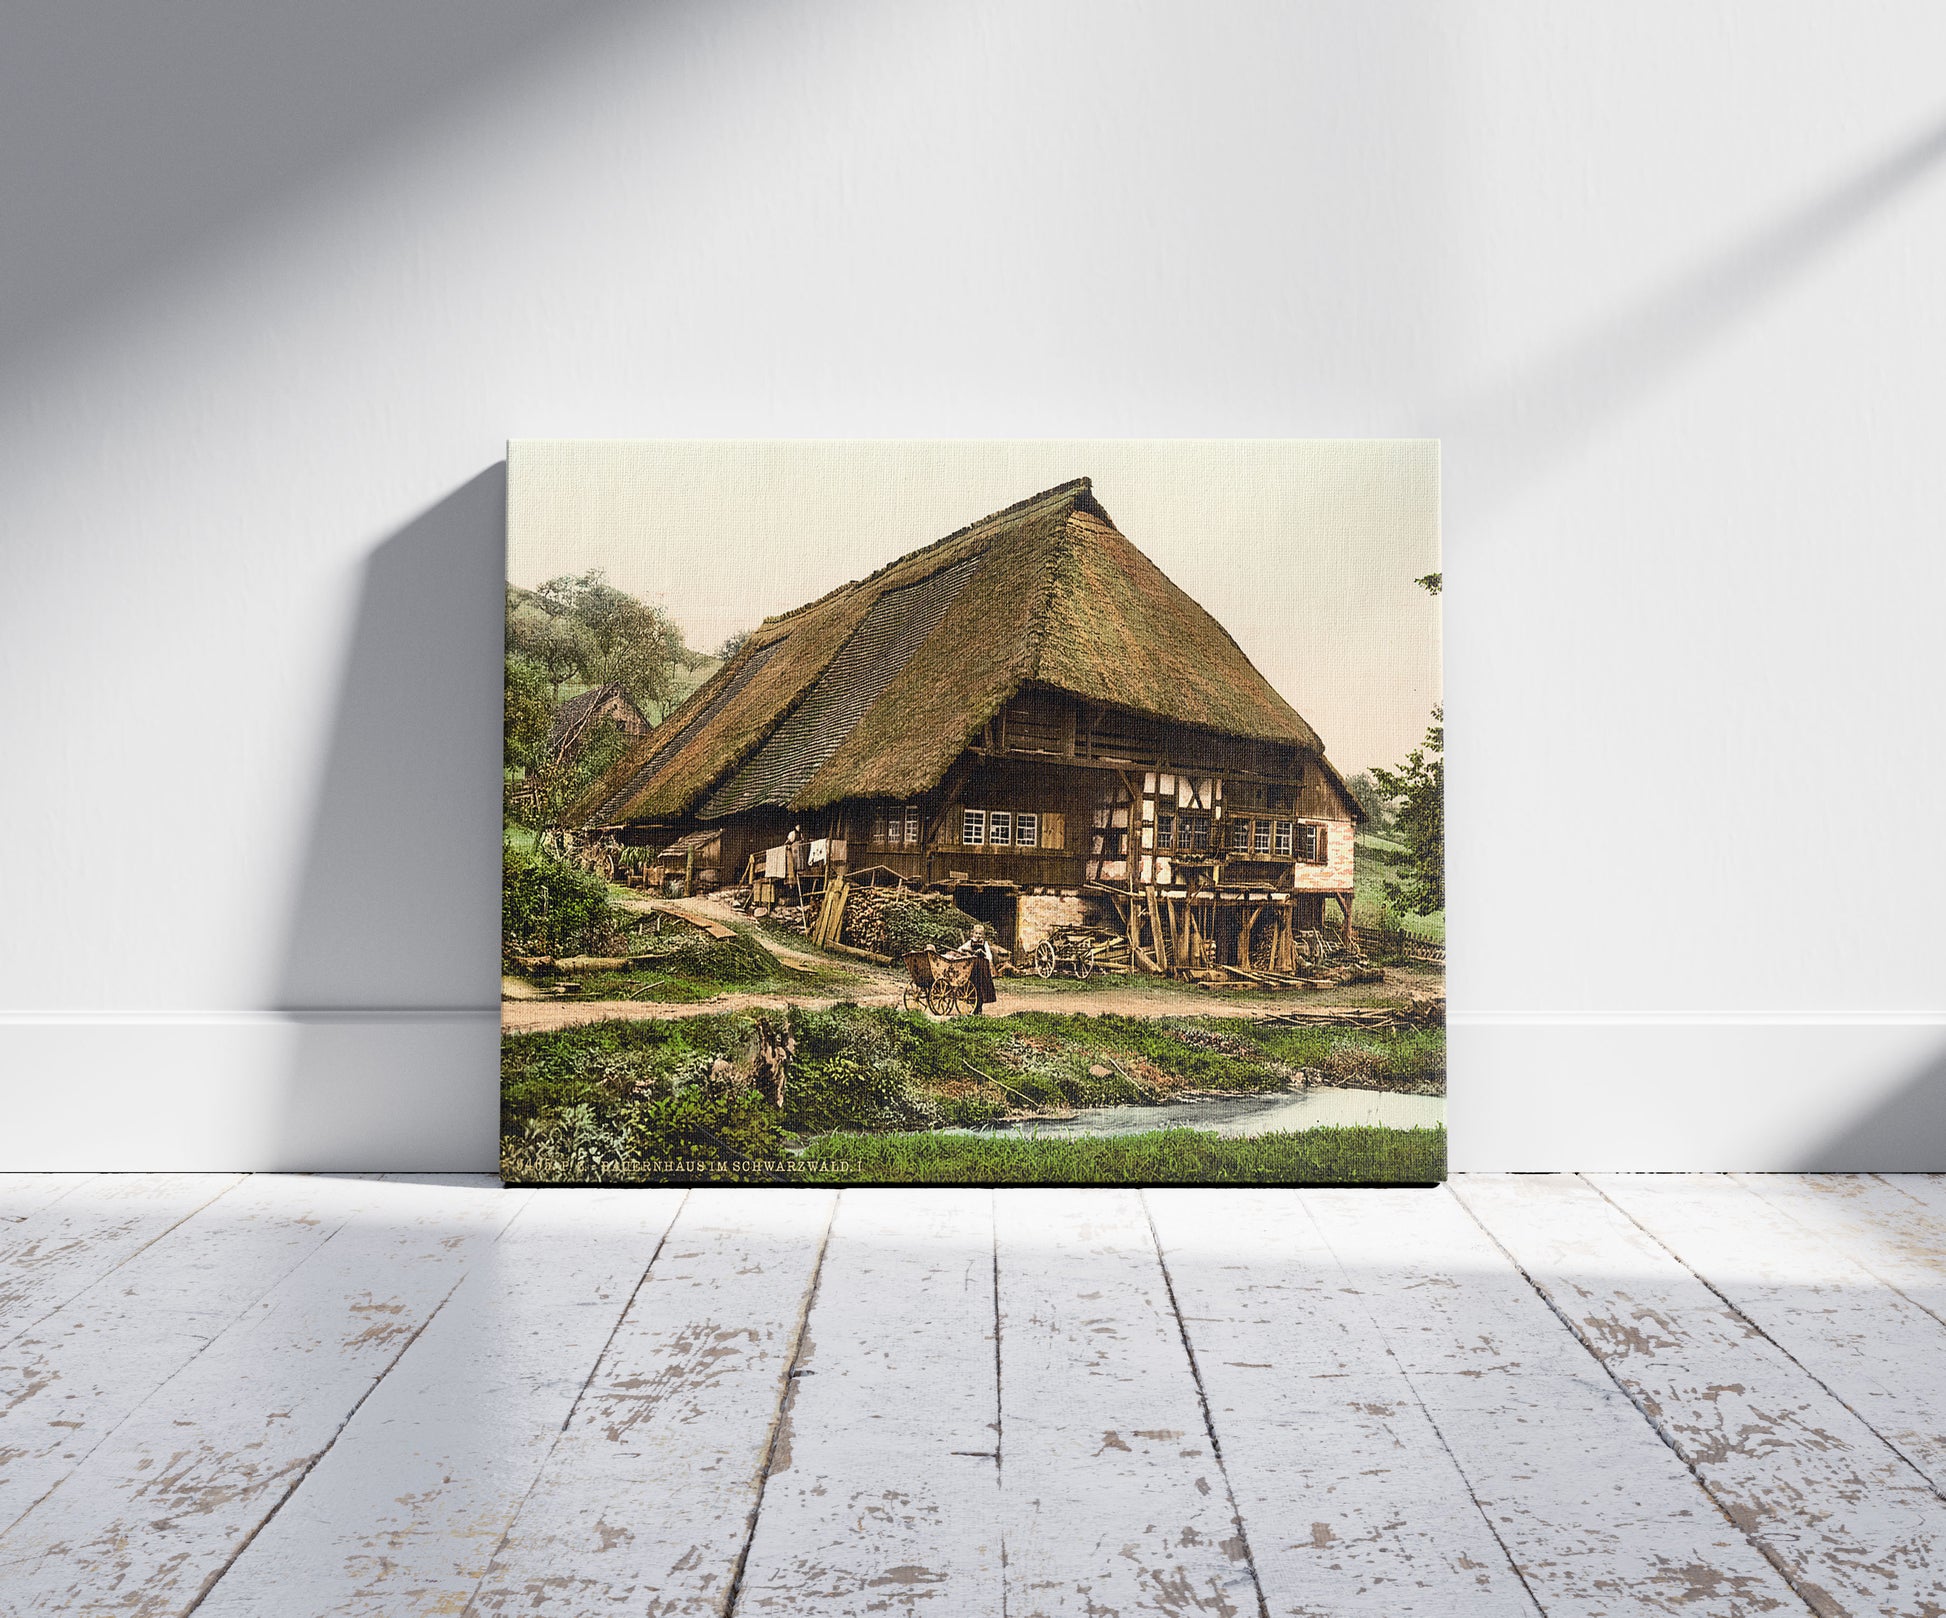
1304	550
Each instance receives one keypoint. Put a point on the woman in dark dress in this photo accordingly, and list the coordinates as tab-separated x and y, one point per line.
981	953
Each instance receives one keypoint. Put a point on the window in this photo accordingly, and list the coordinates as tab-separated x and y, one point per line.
1239	837
1284	838
1165	831
912	831
973	827
1310	844
1261	844
1195	832
1000	827
1027	831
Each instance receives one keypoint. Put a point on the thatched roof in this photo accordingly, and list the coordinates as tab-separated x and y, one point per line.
874	689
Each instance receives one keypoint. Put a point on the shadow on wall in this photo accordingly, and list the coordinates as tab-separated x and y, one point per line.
391	967
1515	432
1905	1134
132	138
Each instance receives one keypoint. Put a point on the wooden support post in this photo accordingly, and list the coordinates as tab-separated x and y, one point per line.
1245	939
1156	938
688	872
1345	901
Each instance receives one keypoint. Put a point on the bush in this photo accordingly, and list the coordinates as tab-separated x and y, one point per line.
685	952
711	1133
852	1071
605	1102
551	907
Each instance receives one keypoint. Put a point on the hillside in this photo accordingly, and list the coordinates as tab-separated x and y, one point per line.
1379	861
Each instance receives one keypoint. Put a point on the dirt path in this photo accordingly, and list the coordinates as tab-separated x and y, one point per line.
541	1016
882	986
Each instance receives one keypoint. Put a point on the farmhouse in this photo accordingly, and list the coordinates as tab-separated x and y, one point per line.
1030	715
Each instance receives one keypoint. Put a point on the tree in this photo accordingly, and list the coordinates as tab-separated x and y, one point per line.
529	713
1417	790
732	644
1377	807
558	643
631	642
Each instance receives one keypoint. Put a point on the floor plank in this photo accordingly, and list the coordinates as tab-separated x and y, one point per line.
67	1244
72	1378
23	1194
1349	1498
1894	1225
883	1495
1853	1525
1112	1497
1599	1516
645	1504
403	1514
156	1512
1875	1350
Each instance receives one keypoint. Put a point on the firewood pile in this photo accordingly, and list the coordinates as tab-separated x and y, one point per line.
868	910
1108	946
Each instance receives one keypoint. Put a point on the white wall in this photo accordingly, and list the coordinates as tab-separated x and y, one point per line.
280	281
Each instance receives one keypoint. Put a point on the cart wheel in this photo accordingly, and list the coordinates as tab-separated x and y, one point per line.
1044	958
965	998
1084	965
936	999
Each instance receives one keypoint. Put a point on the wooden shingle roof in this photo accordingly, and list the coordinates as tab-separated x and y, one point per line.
874	689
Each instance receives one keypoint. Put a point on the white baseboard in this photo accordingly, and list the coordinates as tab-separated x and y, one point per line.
416	1090
1837	1092
250	1090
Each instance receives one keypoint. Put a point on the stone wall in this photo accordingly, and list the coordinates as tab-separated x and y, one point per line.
1042	914
1335	875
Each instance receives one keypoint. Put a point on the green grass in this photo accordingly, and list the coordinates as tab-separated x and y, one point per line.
1346	1155
1378	861
606	1100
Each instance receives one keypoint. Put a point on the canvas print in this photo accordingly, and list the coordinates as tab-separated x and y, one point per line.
973	813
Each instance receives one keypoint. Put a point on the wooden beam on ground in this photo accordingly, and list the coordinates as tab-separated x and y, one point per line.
709	924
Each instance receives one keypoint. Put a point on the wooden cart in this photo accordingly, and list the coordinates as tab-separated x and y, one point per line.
943	984
1072	952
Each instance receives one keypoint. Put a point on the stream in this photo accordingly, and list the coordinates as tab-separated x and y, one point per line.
1241	1115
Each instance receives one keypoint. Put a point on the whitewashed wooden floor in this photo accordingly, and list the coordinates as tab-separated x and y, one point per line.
1601	1395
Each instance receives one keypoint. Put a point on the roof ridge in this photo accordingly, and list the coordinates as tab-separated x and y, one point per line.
1073	486
1057	564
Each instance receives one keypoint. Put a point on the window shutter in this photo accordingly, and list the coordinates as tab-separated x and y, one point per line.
1324	857
1053	829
